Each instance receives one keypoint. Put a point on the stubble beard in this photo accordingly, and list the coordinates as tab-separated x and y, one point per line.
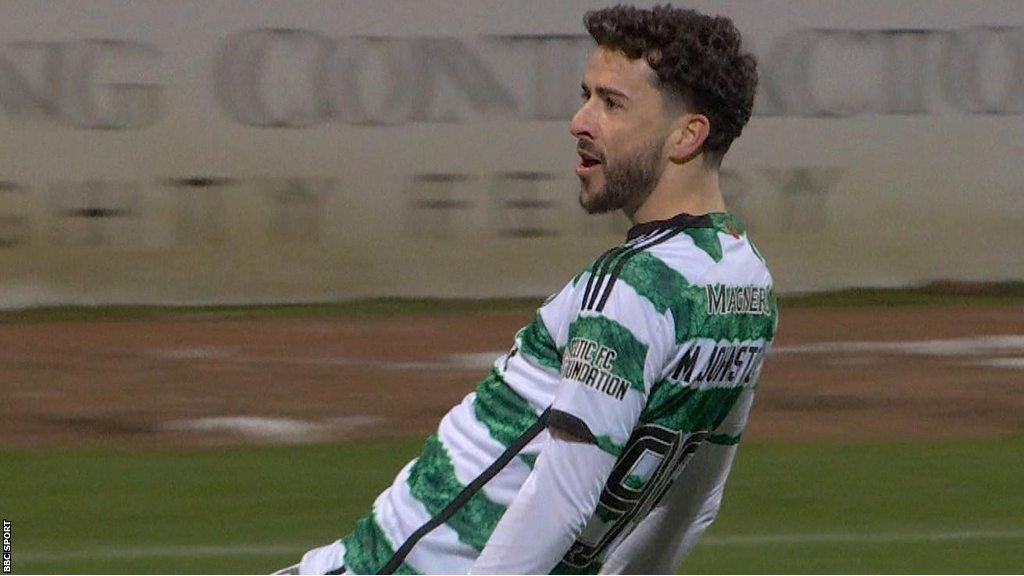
628	184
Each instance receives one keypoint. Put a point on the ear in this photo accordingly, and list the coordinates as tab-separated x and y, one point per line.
686	140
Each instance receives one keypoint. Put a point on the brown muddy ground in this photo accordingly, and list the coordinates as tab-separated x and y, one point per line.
837	375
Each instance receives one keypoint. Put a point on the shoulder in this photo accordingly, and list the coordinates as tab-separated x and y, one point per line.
654	272
629	296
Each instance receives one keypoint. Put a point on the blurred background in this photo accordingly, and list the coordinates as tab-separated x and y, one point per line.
252	250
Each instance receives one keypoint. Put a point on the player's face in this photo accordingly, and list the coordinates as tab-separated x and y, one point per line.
620	130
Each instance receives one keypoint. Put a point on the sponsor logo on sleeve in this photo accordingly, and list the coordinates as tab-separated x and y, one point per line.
590	364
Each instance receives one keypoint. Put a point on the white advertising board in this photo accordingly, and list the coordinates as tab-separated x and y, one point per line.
240	151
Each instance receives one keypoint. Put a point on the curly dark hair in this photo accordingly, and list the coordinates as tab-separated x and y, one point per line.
697	58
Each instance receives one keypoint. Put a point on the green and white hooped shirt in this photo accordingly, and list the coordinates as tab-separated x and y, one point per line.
652	353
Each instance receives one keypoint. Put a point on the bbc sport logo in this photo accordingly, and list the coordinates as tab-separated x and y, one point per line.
7	546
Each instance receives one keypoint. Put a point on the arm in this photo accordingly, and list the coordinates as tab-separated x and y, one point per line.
550	510
615	349
662	541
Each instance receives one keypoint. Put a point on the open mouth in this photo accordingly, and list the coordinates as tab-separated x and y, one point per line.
586	162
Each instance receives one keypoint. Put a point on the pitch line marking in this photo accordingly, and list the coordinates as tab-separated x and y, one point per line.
718	541
1002	363
283	429
160	552
956	347
851	538
463	361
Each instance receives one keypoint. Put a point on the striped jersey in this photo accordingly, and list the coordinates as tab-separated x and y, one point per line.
650	353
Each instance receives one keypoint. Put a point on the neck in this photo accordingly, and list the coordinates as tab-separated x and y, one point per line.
686	187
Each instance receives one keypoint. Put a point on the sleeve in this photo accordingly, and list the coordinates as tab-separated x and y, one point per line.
549	511
663	539
323	560
615	351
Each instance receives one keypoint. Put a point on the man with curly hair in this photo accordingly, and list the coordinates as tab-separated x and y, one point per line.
602	440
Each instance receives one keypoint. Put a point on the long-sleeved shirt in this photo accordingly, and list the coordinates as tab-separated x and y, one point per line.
645	364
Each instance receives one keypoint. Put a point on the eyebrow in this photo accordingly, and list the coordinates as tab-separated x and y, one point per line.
605	91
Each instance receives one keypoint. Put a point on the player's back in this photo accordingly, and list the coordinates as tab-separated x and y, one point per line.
704	277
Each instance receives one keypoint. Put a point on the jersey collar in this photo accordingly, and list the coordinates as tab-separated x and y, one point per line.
721	221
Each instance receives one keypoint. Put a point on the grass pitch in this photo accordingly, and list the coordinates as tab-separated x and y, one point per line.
954	507
924	508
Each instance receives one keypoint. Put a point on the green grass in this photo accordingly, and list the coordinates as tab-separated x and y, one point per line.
936	294
940	294
907	492
73	509
355	309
